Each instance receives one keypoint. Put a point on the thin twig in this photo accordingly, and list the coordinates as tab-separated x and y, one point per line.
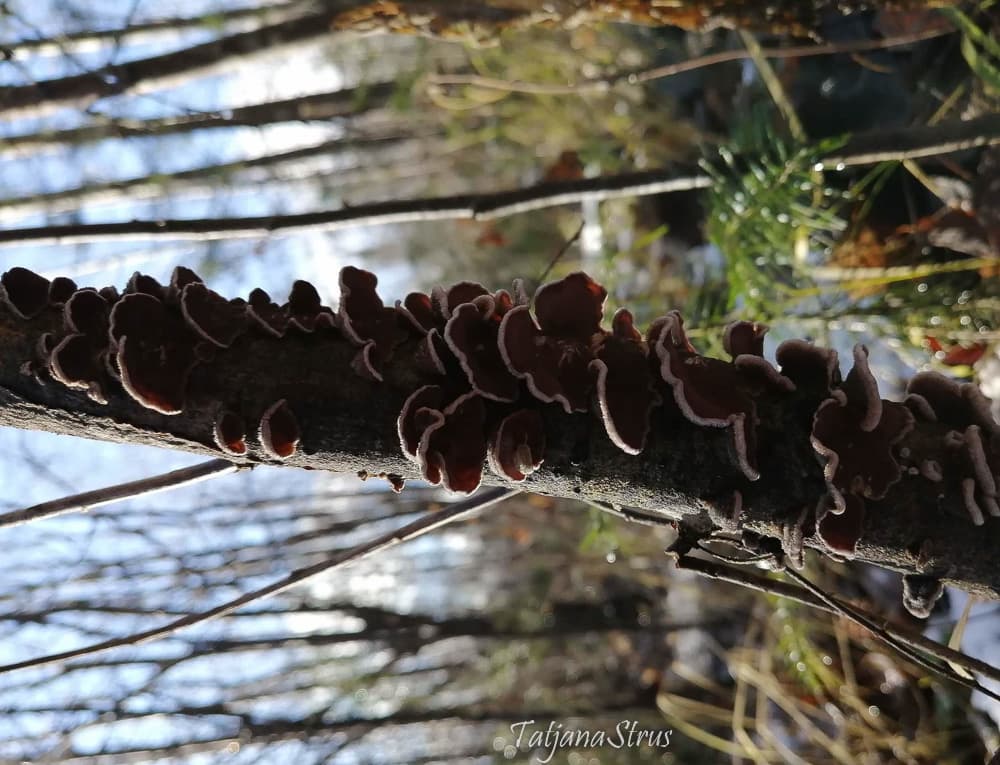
864	148
562	251
143	487
798	594
869	622
429	522
700	62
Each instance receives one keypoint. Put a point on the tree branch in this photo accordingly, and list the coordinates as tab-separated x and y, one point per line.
429	522
878	627
150	73
864	148
153	185
175	479
85	39
639	76
686	472
316	107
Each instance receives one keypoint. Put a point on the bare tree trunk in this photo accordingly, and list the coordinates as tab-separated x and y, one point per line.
686	472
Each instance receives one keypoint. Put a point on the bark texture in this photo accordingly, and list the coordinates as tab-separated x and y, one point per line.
685	472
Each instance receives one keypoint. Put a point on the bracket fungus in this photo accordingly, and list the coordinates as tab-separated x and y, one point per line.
366	321
970	437
24	292
552	351
517	448
452	446
808	366
265	314
625	392
709	392
210	316
841	532
920	593
483	374
854	433
61	289
471	334
230	433
408	424
78	359
155	351
279	431
305	308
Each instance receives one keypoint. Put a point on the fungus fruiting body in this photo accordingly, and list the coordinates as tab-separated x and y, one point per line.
479	377
24	292
279	431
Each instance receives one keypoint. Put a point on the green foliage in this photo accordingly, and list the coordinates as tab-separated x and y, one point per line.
768	209
980	50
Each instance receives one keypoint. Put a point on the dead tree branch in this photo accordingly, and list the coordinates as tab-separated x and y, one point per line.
861	149
141	488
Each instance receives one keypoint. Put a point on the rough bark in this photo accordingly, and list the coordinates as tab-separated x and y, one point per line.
686	472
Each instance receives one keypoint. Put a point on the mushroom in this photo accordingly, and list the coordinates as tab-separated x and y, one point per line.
75	364
155	351
970	439
417	311
808	366
625	392
279	431
920	593
24	292
265	314
86	313
77	360
517	448
709	392
841	532
552	351
445	301
854	433
471	334
180	278
364	319
213	318
305	309
744	338
957	404
61	289
230	433
426	397
143	284
452	446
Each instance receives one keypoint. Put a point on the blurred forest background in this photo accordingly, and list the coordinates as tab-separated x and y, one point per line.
222	110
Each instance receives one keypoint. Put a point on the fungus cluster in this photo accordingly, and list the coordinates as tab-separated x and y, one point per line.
855	433
490	365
